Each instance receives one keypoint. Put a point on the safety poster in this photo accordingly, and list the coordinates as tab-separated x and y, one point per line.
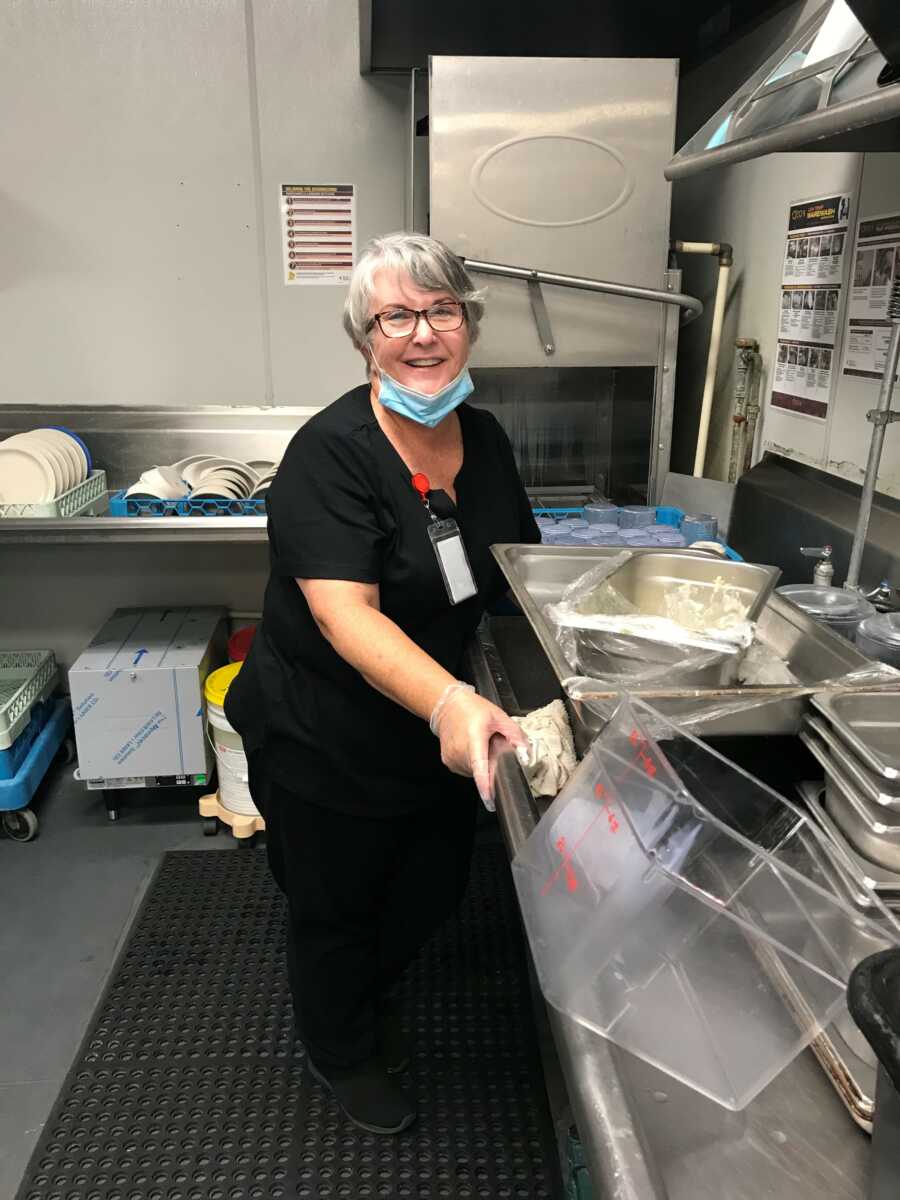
811	285
876	264
318	232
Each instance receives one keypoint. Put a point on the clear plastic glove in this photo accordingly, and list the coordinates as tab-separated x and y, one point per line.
466	723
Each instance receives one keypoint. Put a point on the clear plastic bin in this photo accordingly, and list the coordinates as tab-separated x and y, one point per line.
678	907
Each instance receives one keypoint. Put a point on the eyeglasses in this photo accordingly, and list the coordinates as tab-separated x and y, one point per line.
401	322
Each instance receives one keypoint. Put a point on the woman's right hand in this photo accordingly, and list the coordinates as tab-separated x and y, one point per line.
465	728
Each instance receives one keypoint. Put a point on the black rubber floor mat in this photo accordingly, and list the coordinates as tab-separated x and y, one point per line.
190	1085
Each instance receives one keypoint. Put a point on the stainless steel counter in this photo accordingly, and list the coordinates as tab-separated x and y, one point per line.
647	1137
134	529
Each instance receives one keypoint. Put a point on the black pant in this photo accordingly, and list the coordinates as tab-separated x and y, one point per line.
364	895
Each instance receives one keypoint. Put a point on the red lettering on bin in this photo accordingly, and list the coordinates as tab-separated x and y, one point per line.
571	878
648	764
566	866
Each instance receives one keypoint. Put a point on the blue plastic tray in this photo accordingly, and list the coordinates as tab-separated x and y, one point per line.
121	505
18	792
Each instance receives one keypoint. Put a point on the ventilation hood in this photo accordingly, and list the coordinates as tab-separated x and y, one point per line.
839	72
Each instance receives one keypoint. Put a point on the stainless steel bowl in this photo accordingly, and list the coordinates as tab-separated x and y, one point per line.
648	581
607	655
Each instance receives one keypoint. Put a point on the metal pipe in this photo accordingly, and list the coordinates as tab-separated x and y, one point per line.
882	105
712	362
724	251
880	417
752	412
745	374
691	307
738	414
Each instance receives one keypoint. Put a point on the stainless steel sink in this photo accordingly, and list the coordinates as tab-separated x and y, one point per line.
538	575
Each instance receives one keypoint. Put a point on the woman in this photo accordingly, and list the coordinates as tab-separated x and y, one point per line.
370	817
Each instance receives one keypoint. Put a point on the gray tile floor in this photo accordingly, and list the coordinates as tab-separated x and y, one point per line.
66	900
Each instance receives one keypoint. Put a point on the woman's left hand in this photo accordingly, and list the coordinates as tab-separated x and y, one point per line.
465	728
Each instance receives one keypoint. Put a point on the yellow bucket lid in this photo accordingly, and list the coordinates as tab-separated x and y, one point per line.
218	683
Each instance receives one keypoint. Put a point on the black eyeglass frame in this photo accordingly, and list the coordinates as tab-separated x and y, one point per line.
419	313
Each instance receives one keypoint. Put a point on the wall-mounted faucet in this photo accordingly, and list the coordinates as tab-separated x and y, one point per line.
823	571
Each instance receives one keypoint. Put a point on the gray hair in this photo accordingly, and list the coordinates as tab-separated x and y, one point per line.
428	263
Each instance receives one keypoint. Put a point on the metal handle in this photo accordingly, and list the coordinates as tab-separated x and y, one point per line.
816	551
691	307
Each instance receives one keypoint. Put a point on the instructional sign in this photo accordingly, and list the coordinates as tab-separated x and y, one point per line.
318	232
876	264
811	283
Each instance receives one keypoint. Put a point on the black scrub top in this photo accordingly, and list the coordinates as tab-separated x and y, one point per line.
343	507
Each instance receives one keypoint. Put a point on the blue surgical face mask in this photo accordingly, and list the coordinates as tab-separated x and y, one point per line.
427	410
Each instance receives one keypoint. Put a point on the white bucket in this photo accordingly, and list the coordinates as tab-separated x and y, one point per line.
234	790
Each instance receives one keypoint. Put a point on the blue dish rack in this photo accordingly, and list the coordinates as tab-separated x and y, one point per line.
18	786
665	515
121	505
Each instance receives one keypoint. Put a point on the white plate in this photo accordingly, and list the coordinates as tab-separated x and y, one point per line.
26	476
66	465
237	484
164	482
186	462
196	470
146	491
241	484
262	466
70	448
55	458
80	452
215	491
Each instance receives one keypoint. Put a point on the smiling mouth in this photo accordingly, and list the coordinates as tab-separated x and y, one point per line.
422	363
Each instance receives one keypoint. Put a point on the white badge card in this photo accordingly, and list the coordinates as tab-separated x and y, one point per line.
453	560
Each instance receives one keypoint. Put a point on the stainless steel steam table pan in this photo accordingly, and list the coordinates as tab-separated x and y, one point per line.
538	575
869	722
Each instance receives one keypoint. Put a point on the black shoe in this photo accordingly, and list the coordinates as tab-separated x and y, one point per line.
395	1047
369	1097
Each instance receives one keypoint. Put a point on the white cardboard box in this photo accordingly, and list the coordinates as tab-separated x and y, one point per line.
137	695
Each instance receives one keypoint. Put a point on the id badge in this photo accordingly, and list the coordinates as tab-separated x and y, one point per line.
451	554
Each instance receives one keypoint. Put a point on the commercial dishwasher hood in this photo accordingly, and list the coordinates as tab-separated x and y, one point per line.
836	77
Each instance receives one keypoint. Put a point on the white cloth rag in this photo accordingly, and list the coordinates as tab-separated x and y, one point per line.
549	758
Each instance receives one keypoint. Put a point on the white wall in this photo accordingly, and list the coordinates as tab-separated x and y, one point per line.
143	145
849	432
747	204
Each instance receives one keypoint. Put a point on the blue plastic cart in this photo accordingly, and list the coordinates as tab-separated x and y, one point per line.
16	793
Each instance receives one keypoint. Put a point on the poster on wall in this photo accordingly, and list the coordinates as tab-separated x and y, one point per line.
802	378
811	283
876	264
318	232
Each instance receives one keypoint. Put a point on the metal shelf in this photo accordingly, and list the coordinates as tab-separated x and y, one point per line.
134	530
